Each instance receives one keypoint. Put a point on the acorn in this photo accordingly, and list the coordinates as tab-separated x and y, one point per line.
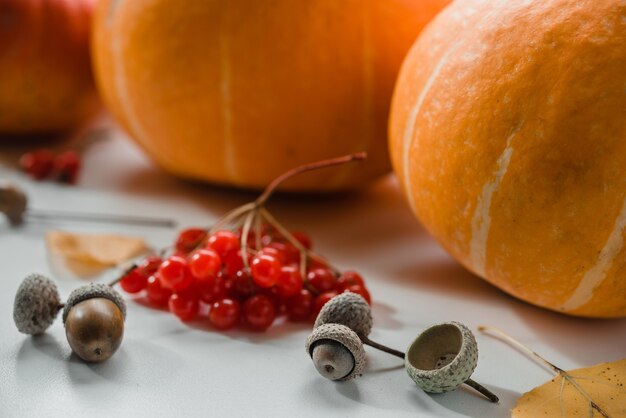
337	352
13	203
94	321
352	310
443	357
349	309
37	303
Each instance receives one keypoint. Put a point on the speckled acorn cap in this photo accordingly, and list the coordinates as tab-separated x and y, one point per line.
94	290
442	357
346	337
349	309
37	303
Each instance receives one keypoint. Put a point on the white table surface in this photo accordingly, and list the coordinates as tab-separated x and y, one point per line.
169	369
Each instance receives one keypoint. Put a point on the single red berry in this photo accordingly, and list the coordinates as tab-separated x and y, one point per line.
157	294
273	296
134	281
211	288
66	167
175	274
223	243
321	300
315	263
243	286
205	263
347	279
289	282
150	265
37	164
360	290
189	239
281	256
322	279
265	270
259	312
299	307
225	313
290	253
303	238
232	263
184	305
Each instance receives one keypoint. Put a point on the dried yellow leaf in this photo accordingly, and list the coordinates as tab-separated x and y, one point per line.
574	393
107	250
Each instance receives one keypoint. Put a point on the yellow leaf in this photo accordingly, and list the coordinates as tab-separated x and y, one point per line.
572	394
105	250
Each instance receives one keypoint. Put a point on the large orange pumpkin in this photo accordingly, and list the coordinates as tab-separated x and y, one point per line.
236	92
508	132
46	82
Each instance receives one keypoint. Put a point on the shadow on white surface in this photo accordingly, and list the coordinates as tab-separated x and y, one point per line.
565	333
445	276
385	316
466	402
38	345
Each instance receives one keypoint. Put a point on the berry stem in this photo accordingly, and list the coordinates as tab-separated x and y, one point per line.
257	232
359	156
247	223
284	232
231	216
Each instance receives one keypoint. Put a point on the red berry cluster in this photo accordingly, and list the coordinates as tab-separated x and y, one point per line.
43	164
208	270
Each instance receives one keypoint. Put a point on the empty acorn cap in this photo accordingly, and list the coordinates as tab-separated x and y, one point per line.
349	309
442	357
331	334
94	290
37	303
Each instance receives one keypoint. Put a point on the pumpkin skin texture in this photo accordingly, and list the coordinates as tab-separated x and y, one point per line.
237	92
508	134
46	84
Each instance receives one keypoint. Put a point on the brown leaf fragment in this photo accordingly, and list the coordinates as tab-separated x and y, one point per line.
105	249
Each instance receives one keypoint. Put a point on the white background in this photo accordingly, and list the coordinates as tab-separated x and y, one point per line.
167	368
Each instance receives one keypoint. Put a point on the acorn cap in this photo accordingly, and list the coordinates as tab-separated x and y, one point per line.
94	290
349	309
442	357
344	336
37	303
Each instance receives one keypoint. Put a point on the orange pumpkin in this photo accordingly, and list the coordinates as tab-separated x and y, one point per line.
46	83
236	92
508	133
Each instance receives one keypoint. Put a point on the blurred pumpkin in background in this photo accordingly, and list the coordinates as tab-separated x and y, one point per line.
237	92
46	82
508	132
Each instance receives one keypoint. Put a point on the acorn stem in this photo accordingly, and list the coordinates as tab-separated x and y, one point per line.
482	390
381	347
